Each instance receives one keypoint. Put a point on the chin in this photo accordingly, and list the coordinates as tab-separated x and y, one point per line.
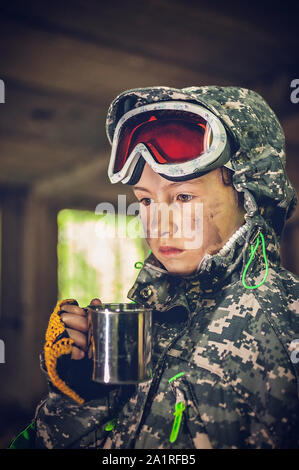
179	267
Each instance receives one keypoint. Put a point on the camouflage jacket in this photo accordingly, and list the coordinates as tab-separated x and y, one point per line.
224	355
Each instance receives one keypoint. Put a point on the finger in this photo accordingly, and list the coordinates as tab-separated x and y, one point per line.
77	353
77	322
96	301
90	351
69	302
73	309
80	339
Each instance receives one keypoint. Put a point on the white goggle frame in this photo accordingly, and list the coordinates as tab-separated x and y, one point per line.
211	158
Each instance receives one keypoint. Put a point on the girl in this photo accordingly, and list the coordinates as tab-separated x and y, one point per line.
225	313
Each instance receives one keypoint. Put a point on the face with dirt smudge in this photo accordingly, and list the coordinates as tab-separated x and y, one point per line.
185	220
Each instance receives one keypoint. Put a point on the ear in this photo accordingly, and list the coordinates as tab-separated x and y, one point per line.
227	176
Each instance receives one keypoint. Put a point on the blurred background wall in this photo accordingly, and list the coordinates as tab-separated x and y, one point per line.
62	63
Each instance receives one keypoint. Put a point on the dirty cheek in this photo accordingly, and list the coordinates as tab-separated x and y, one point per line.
205	227
212	233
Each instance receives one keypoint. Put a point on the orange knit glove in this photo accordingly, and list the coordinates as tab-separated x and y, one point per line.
57	344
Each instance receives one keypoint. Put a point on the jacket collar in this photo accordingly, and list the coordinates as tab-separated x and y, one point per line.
156	288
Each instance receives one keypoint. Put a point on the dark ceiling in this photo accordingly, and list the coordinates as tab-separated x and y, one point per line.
63	62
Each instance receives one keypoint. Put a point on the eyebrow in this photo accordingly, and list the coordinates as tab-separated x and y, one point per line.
180	183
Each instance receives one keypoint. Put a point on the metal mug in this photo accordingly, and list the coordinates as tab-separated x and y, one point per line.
120	340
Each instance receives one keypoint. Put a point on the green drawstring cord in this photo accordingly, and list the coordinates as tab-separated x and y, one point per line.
253	250
22	440
139	264
178	413
176	377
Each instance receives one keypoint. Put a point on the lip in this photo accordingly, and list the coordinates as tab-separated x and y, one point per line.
170	251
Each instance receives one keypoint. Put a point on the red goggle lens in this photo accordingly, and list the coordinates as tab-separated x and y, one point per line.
171	136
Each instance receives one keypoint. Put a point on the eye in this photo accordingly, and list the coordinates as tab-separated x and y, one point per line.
145	201
184	197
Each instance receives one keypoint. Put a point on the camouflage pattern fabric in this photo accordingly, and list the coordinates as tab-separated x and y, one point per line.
224	353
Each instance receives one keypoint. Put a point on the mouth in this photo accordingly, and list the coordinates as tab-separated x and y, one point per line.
170	251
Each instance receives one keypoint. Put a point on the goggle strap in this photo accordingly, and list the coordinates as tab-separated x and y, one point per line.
137	172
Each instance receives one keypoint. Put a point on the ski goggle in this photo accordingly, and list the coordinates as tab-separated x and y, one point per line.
179	141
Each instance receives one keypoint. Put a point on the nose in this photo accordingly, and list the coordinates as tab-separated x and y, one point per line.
161	221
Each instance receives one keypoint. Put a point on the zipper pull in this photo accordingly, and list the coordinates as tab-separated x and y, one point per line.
178	413
254	235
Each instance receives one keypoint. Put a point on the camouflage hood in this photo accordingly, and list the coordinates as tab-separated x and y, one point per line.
258	155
